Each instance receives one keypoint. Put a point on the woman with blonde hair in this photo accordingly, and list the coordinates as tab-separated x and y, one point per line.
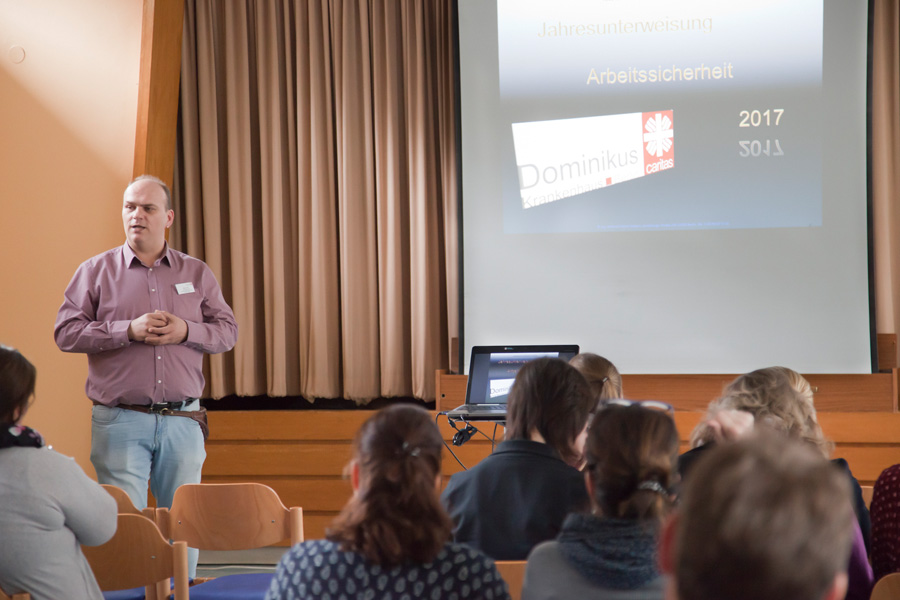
392	539
780	400
600	373
610	552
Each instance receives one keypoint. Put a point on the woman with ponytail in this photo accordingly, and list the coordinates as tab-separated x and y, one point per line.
610	552
392	539
600	373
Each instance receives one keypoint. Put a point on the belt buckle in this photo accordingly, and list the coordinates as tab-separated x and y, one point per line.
160	408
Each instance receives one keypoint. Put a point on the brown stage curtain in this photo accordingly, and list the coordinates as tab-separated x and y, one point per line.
316	176
886	163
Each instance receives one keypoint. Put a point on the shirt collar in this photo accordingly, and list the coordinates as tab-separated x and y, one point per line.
130	256
527	446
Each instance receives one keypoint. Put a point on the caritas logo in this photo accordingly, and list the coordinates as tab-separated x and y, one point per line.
659	141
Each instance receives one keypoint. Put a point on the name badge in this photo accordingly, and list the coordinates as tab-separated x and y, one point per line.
184	288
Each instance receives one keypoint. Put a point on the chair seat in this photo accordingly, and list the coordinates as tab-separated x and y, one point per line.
132	594
249	586
137	593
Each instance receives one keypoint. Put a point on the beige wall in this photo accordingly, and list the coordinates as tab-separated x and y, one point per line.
67	123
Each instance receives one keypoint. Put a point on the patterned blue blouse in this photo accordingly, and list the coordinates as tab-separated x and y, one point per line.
320	569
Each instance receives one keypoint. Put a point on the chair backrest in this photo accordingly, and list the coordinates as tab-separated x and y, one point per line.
138	555
887	588
124	503
230	516
19	596
513	572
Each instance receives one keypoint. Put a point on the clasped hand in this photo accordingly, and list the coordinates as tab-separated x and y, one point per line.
158	328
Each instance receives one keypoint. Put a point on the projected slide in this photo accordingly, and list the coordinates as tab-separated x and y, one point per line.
590	90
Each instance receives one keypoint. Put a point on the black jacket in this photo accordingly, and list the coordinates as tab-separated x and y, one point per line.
513	499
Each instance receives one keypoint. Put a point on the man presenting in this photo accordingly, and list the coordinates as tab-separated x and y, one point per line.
145	314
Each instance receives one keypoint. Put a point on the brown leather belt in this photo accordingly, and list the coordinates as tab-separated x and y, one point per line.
165	409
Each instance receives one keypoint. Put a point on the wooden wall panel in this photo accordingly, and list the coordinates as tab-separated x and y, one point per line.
887	351
875	392
306	425
849	393
276	458
855	428
868	461
314	525
450	390
302	454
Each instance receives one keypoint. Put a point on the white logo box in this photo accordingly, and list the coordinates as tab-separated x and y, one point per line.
566	157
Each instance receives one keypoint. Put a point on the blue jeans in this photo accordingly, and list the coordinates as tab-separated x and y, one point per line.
130	449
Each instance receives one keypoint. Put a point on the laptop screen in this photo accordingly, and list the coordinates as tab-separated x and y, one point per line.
493	369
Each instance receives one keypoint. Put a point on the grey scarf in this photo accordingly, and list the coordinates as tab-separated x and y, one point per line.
611	553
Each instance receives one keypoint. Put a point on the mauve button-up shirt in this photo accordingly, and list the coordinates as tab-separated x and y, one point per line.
110	290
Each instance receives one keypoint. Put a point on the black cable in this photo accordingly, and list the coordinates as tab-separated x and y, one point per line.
446	445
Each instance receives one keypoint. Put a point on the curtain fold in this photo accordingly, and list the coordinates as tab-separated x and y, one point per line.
886	163
316	175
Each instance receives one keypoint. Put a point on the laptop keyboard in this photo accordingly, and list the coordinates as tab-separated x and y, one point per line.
474	408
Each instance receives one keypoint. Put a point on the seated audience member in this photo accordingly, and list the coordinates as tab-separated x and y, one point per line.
777	397
885	511
601	375
611	552
48	506
391	540
763	517
780	399
519	495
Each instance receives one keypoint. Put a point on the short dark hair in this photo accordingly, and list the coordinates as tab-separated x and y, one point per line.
17	379
396	516
157	181
767	517
631	454
551	397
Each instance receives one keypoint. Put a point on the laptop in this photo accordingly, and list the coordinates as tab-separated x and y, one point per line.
492	370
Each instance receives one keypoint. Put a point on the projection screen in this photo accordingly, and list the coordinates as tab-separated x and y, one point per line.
677	185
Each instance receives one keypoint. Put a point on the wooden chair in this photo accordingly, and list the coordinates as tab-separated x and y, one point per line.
513	572
19	596
124	503
230	516
887	588
138	555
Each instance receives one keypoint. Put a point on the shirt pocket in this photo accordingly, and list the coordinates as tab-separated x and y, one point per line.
188	306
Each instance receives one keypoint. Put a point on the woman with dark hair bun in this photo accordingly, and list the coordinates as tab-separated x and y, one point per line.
610	552
48	506
519	495
392	539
